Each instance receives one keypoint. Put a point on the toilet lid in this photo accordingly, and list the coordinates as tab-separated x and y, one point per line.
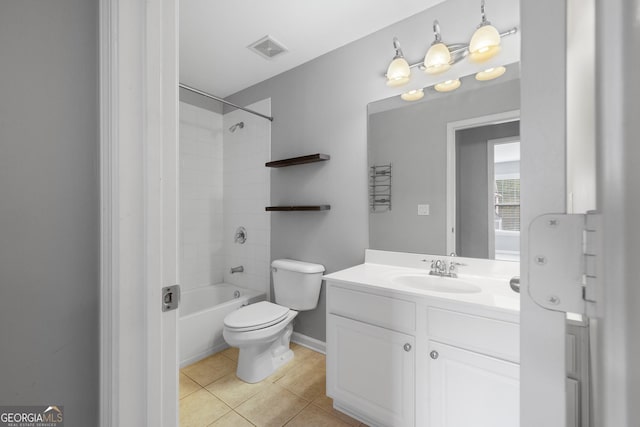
256	316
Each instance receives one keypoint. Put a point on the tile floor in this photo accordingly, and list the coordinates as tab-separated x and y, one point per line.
211	395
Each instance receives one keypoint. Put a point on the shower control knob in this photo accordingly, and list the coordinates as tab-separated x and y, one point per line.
434	354
407	347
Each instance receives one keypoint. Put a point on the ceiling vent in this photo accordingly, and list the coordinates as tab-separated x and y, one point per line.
267	47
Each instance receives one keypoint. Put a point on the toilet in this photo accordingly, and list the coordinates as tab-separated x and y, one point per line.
262	331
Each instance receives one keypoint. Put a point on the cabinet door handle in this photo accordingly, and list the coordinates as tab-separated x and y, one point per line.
407	347
434	354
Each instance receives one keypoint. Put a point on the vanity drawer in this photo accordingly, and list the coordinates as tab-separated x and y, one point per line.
481	334
390	313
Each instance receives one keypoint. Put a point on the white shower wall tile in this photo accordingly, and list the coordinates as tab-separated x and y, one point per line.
201	213
223	185
246	193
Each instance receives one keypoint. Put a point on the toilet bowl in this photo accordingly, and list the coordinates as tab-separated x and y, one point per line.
264	346
262	331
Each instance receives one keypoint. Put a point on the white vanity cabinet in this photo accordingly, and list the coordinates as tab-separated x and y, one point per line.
394	359
371	356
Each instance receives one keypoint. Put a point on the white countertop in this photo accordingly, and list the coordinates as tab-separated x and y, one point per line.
494	293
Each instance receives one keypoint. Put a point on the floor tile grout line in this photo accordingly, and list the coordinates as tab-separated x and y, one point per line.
303	361
244	418
192	379
223	402
296	414
222	416
189	394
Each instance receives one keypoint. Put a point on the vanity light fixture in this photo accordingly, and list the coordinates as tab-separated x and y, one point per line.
398	72
490	73
448	85
485	42
484	45
413	95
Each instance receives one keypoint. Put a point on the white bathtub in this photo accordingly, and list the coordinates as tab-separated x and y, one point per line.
202	313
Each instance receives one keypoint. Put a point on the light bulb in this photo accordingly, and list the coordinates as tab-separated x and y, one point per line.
490	73
438	59
413	95
447	86
485	43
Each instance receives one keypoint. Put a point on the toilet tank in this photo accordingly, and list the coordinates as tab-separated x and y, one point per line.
296	284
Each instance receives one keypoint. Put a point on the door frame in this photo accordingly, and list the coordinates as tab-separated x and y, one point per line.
138	214
543	146
452	128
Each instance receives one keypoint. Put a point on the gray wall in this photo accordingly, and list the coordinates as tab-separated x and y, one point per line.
414	140
49	206
320	106
472	214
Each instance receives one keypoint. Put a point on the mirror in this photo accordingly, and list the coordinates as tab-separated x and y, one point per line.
443	171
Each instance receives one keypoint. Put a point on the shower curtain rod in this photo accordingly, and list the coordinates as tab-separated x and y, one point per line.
208	95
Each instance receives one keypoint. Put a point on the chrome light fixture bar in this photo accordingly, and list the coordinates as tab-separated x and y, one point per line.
458	51
484	45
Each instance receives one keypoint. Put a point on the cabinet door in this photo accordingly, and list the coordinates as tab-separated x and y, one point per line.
471	389
371	370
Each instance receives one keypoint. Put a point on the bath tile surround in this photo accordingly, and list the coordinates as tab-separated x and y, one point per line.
211	394
201	173
246	191
224	185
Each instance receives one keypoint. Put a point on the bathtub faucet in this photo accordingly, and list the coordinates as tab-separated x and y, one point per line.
238	269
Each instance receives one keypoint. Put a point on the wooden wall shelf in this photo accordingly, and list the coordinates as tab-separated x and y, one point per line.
312	208
311	158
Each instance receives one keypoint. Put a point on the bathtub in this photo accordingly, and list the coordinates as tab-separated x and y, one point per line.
202	313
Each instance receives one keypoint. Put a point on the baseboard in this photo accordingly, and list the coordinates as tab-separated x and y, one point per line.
208	352
310	343
353	414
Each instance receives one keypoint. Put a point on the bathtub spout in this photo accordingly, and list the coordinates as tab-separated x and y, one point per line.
238	269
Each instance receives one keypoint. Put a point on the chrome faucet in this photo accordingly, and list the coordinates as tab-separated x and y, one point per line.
439	268
238	269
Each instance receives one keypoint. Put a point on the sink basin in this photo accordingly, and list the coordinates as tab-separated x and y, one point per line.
436	284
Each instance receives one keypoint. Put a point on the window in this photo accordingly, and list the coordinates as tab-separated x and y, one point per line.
505	181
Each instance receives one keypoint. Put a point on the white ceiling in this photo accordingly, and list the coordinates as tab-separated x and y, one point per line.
214	35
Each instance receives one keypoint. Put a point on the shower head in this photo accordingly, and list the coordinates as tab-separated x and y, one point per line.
237	125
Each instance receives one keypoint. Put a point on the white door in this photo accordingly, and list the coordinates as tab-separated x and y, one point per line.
470	389
373	370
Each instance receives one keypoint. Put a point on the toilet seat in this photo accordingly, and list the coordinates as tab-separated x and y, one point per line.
255	316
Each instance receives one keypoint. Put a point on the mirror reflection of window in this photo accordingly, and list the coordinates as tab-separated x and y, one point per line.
505	199
480	197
